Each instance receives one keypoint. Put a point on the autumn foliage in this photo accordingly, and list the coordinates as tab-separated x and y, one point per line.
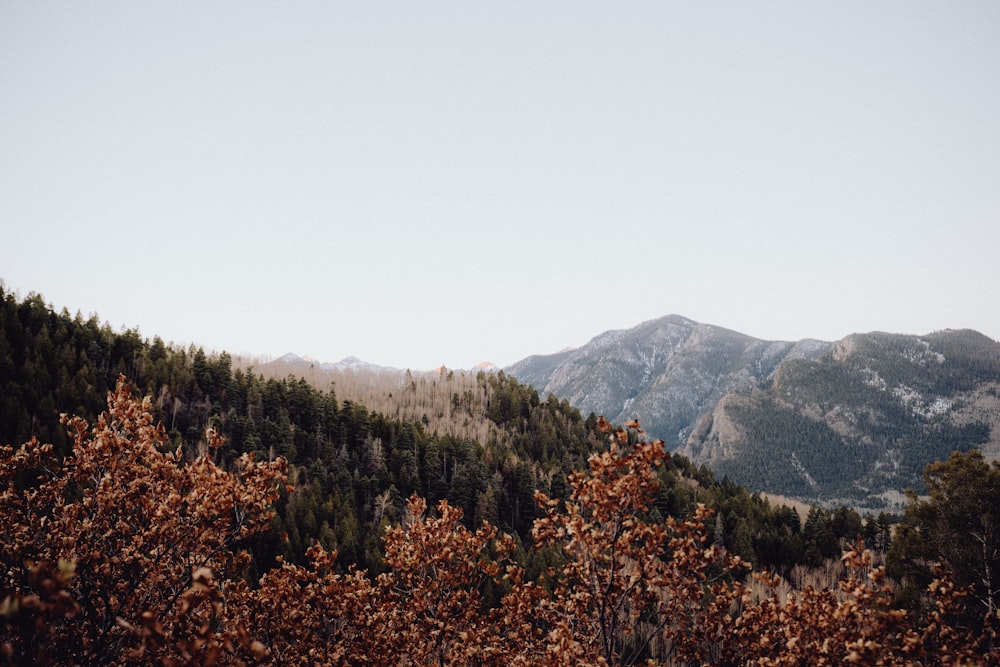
117	553
126	553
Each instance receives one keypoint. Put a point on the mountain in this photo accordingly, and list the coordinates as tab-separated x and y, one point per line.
486	367
294	363
858	425
665	372
848	422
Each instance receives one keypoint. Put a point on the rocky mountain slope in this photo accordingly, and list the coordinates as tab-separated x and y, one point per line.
850	422
666	372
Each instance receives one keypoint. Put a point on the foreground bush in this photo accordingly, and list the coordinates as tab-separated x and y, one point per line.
127	554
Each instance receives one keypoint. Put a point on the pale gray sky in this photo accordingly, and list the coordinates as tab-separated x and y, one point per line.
437	183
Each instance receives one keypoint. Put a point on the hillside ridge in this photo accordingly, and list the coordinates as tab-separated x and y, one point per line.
851	422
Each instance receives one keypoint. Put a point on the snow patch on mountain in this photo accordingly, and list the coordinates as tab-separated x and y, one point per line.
353	364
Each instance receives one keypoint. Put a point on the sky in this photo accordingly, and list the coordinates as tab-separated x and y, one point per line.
447	183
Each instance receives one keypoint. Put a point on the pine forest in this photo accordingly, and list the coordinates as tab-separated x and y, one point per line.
166	505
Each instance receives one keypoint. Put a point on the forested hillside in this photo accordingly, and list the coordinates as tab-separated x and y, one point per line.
859	424
445	401
483	442
122	532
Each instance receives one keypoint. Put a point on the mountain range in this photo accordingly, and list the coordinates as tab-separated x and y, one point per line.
847	422
294	362
850	422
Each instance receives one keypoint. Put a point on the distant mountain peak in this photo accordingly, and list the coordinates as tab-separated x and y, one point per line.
623	373
348	363
352	363
487	366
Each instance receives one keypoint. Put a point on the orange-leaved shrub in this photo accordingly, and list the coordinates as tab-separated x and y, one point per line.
856	623
116	554
125	553
632	585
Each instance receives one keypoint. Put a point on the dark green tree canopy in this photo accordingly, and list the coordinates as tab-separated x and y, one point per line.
956	525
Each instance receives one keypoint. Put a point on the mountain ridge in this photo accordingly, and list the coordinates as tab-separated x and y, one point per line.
852	421
352	363
623	373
